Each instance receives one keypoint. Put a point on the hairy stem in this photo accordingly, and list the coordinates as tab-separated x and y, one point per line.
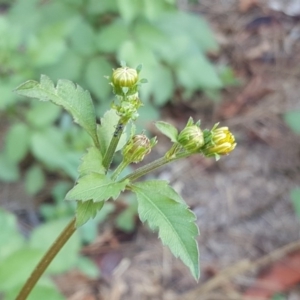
46	260
119	169
108	157
153	166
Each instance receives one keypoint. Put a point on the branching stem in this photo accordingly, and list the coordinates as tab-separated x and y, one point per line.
153	166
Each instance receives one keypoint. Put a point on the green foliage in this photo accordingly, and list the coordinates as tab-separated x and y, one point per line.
18	257
82	41
96	187
86	210
61	209
158	203
292	118
72	98
278	297
43	236
16	142
91	162
163	209
126	220
34	180
295	197
89	230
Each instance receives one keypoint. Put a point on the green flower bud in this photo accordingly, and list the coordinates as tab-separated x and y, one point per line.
124	81
191	138
136	148
221	142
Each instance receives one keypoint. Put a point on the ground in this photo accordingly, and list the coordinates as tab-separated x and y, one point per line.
242	202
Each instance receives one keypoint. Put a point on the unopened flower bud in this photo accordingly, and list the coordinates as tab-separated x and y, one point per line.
136	148
221	142
124	80
191	138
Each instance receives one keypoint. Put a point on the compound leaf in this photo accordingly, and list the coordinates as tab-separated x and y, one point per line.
72	97
91	162
164	210
96	187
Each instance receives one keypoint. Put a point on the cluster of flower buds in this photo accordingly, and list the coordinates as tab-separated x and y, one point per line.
125	82
214	142
137	148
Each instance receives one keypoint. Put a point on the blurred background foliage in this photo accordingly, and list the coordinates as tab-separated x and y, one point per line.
82	41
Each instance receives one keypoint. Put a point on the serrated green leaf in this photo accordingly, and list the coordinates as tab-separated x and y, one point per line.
292	118
72	97
89	230
107	129
17	142
91	162
87	210
163	209
167	129
96	187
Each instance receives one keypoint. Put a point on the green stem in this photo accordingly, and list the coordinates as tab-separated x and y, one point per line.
119	169
153	166
108	157
46	260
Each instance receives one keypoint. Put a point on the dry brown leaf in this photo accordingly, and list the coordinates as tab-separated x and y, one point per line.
281	276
